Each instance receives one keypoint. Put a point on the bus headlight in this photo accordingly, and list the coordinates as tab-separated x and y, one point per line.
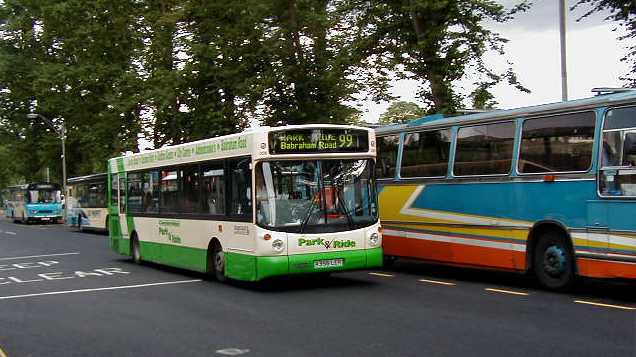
374	239
278	245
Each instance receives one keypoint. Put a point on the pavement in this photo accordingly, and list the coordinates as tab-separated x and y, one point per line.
65	293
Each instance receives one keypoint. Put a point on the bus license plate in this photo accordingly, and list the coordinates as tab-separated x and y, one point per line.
328	263
45	218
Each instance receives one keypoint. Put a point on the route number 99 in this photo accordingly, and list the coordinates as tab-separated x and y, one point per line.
345	140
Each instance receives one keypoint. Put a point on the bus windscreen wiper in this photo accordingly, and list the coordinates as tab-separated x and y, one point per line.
310	210
344	209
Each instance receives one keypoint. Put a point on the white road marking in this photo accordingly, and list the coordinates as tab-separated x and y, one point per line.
605	305
39	256
99	289
437	282
232	351
382	274
507	292
11	233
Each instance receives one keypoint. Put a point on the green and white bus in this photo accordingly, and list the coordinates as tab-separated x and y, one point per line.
262	203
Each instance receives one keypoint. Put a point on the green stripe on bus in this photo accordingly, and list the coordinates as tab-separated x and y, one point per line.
251	268
177	256
120	164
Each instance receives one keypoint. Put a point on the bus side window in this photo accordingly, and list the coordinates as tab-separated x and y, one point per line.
618	153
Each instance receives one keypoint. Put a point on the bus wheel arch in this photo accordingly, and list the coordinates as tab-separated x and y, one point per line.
135	248
215	266
554	242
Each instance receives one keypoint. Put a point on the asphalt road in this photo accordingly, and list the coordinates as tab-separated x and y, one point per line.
64	293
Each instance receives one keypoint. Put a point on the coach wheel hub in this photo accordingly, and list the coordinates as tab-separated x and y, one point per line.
554	261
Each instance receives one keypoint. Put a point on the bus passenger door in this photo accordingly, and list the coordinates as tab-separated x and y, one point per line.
123	223
597	238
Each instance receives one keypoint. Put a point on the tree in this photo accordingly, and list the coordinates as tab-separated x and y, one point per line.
78	71
482	98
436	42
309	73
401	112
622	12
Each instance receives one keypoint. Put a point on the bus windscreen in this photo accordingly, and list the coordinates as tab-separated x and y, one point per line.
318	141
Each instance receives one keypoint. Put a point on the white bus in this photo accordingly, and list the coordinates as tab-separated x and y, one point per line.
262	203
87	198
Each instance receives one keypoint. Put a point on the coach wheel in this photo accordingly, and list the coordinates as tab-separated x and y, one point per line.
218	262
79	222
554	262
136	252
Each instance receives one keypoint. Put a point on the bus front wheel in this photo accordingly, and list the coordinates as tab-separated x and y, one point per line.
136	251
218	261
554	262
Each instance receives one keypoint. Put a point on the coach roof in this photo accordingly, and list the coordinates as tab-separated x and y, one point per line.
437	120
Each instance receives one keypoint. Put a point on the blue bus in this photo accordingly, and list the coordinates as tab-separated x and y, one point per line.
548	189
34	202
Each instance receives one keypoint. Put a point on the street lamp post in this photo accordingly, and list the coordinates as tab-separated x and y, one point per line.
564	62
61	132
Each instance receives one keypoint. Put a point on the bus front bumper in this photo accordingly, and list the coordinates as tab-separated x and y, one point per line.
252	268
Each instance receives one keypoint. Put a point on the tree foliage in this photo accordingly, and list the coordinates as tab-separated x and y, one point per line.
125	73
436	42
401	112
623	12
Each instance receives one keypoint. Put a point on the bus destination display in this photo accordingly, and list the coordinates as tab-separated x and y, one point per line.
307	141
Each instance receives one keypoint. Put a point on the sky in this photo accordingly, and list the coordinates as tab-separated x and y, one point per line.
593	58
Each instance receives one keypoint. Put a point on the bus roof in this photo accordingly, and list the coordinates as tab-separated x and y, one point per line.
33	185
238	144
438	120
92	177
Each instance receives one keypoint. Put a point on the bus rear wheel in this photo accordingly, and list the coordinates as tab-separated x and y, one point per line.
136	251
554	262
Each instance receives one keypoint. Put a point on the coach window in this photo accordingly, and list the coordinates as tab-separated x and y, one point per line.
169	191
190	193
387	156
425	154
618	153
213	188
240	173
558	143
484	149
135	192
